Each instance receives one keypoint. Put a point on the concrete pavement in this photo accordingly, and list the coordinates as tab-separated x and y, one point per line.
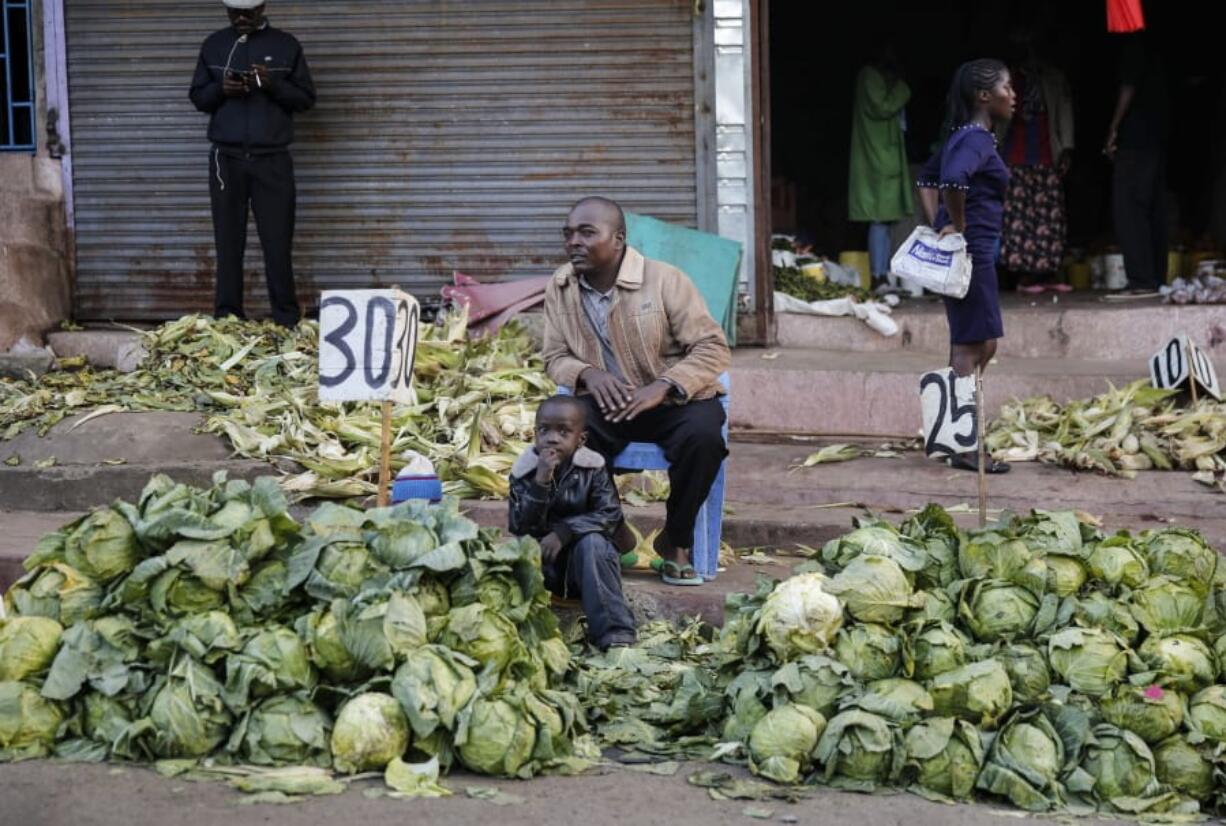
49	794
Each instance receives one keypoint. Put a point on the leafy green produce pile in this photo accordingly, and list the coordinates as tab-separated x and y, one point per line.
256	383
1039	661
792	281
1135	427
210	624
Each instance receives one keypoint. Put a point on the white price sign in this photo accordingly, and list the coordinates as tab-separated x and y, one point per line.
367	344
1180	361
948	403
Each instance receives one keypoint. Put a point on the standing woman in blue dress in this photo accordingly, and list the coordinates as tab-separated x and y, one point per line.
962	189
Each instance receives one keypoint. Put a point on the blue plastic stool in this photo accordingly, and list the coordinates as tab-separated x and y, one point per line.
709	525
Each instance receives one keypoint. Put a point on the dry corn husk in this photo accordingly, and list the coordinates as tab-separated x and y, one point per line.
1125	430
256	384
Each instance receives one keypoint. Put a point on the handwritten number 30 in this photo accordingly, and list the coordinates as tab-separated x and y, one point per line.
392	313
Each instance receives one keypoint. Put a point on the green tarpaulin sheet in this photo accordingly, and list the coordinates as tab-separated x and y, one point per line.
710	261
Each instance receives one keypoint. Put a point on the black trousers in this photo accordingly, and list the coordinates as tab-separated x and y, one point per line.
266	183
1140	215
591	569
691	438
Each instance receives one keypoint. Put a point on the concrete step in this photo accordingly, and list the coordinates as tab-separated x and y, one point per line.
1078	325
763	473
839	392
117	349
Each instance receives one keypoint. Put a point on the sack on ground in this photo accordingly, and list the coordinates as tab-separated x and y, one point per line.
941	265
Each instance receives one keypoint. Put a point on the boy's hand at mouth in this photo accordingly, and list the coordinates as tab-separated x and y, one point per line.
548	459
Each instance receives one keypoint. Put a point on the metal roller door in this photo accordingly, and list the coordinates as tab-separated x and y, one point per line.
448	135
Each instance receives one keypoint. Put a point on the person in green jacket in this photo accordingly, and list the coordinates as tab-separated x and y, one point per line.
879	185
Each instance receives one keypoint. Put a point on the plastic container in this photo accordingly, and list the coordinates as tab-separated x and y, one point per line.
1114	275
858	260
815	270
1079	277
1174	265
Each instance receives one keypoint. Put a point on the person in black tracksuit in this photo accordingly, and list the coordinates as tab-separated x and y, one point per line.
563	496
251	79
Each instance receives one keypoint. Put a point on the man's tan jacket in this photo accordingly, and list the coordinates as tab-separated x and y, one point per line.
658	324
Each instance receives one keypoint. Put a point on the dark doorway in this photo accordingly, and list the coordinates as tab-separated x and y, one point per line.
816	50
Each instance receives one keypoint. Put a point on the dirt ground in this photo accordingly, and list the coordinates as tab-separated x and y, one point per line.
53	794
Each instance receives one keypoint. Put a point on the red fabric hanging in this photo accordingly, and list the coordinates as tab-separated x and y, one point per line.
1124	16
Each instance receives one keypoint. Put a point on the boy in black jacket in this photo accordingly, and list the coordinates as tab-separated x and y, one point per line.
563	496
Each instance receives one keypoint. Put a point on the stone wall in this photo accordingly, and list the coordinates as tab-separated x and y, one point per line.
35	273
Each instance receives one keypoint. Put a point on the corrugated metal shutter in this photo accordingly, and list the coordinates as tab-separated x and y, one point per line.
448	135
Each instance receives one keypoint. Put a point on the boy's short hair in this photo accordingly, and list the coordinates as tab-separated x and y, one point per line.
561	400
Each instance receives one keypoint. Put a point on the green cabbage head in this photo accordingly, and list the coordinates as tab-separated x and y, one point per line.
859	751
1024	762
1186	663
1167	606
273	661
1065	575
943	758
500	739
1118	560
979	693
937	647
370	730
799	617
433	686
27	646
1027	670
1184	555
1098	610
322	632
1184	767
781	744
996	610
1090	660
1151	712
188	715
1207	712
284	730
816	681
1120	763
28	723
875	589
870	651
103	546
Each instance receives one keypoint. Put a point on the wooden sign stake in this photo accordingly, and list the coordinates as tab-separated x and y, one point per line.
385	458
983	449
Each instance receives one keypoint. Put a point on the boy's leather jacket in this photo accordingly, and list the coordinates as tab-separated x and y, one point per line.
580	500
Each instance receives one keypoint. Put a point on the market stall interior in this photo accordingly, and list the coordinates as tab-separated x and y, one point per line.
816	52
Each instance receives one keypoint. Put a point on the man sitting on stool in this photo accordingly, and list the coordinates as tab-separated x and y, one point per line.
634	338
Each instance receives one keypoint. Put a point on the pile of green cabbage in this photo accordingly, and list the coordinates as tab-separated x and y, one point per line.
210	623
1039	661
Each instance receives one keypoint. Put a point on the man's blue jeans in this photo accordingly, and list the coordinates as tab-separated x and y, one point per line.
879	249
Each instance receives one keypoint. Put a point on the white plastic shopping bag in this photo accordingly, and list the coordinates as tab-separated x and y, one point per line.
941	265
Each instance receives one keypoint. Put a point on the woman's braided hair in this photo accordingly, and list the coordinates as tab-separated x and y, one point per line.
971	78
